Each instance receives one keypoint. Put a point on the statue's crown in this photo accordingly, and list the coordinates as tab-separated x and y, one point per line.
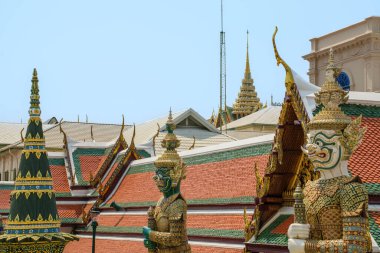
331	116
170	158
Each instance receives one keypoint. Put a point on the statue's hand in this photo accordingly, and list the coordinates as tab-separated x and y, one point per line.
299	231
149	244
146	232
296	246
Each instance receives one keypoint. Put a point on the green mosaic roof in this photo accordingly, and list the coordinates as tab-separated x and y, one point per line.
224	233
214	201
57	161
373	188
368	111
267	237
375	230
6	187
143	153
71	220
209	158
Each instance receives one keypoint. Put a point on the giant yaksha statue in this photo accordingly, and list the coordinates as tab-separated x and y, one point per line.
336	205
166	231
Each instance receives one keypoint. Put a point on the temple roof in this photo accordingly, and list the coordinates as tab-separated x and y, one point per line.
76	131
189	124
11	132
265	116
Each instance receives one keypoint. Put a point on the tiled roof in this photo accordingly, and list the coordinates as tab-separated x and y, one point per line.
86	161
10	132
59	174
204	132
203	138
219	174
265	116
105	246
374	225
364	162
275	233
365	110
76	131
126	246
195	221
5	191
70	213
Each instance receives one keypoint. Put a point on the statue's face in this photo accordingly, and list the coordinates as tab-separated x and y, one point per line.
324	149
163	180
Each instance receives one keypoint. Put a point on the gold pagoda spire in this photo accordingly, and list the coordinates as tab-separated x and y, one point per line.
247	73
247	101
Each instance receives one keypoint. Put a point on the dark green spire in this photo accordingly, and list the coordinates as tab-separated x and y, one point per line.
33	215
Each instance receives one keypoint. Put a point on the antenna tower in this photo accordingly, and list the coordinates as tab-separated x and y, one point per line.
222	105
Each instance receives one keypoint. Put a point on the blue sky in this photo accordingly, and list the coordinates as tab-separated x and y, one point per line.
138	58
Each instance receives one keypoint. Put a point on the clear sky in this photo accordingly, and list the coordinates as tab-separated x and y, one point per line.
138	58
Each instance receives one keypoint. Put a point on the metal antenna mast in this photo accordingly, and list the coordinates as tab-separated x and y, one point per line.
222	105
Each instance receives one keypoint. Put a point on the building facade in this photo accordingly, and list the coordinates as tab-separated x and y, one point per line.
357	52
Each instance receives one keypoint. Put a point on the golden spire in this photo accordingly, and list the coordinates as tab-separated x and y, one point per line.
247	101
247	73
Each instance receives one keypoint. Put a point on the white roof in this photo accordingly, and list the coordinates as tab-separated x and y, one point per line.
305	89
10	132
75	131
147	130
205	133
265	116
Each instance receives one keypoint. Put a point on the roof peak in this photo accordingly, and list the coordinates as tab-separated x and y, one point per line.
247	73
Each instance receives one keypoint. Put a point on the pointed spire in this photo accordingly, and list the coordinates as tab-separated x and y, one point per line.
170	126
34	111
247	101
39	222
247	74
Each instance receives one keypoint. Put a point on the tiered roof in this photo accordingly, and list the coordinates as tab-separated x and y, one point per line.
215	204
247	101
272	233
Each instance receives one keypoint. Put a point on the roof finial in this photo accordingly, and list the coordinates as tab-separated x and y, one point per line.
247	74
331	66
170	126
34	110
92	134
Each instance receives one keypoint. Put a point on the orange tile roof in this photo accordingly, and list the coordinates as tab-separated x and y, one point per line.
4	199
137	188
364	162
231	222
376	217
125	246
105	246
90	164
60	183
122	220
283	227
220	179
70	211
203	181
